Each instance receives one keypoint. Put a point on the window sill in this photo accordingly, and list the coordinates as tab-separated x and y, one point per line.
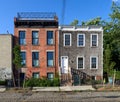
93	68
50	66
80	46
80	68
23	45
35	66
67	46
50	44
36	45
94	46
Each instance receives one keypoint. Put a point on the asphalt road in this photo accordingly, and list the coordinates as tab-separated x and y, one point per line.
59	96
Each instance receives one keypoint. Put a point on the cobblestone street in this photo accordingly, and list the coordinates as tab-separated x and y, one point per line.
59	96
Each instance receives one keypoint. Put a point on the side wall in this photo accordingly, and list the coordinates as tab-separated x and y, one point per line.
6	56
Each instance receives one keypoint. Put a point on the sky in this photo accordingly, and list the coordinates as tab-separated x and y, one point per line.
83	10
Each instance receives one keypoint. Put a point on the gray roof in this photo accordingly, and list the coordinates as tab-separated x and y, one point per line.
36	15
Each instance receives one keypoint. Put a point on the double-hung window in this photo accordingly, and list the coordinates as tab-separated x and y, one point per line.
35	59
50	76
94	62
35	38
67	39
35	75
81	40
50	37
22	37
94	40
80	62
23	56
50	58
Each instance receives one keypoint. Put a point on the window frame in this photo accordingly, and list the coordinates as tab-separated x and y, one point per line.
36	73
50	73
91	39
47	58
22	58
91	62
22	38
70	39
35	59
47	36
83	62
78	40
35	38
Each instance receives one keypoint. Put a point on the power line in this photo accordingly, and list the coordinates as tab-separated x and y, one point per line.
63	12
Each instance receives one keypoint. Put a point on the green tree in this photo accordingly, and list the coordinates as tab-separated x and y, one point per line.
109	64
112	35
95	21
17	60
75	22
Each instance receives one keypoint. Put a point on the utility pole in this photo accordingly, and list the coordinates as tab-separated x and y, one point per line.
114	78
63	12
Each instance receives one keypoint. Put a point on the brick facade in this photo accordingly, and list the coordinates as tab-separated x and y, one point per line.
42	46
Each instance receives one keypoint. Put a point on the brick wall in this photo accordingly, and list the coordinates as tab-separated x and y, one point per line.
42	48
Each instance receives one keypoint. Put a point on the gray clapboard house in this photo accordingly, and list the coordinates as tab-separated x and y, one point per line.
81	48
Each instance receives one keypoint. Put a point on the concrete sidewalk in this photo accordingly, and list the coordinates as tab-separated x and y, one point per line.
64	88
2	88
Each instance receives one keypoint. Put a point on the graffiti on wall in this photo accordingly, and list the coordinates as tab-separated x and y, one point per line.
5	73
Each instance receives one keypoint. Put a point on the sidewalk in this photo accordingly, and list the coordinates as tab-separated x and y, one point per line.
2	88
63	88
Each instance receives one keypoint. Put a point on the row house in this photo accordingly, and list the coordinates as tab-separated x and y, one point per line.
48	49
37	35
81	48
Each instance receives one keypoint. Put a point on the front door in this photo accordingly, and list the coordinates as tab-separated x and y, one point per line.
64	64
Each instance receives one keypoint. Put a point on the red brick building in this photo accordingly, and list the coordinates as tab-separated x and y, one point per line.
37	35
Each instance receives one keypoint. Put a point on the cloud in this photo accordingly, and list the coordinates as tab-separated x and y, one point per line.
115	0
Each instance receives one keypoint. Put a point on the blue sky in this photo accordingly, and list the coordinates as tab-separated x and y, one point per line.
82	10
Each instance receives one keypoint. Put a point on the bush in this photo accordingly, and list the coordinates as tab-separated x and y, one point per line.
97	81
3	82
34	82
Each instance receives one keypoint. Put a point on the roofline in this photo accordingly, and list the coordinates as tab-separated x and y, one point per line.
6	34
80	28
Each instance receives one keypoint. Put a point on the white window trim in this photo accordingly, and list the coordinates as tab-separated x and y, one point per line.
91	40
83	62
83	40
35	51
96	62
70	39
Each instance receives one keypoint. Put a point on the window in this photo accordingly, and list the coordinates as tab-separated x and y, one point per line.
94	40
94	62
23	55
35	75
67	39
81	40
80	62
50	59
35	59
50	76
49	37
22	40
35	38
